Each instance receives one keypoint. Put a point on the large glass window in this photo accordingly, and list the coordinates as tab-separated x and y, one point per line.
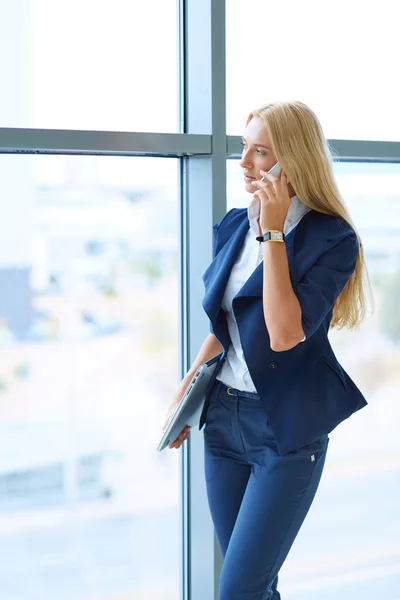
338	57
89	65
356	506
88	362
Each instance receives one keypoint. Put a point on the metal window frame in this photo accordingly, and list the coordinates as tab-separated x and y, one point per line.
110	143
169	145
202	147
347	150
203	189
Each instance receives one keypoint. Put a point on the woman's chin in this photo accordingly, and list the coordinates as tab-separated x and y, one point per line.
249	188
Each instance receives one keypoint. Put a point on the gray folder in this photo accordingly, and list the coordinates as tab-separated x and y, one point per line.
189	409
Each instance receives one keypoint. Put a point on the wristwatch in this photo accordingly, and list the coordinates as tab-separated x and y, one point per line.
271	236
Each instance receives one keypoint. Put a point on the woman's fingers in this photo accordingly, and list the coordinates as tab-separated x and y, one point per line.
181	438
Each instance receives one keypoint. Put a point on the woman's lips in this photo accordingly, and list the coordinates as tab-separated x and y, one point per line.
247	178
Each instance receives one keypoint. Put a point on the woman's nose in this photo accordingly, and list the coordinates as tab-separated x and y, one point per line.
244	161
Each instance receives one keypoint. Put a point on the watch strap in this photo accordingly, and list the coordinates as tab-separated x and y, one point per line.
271	235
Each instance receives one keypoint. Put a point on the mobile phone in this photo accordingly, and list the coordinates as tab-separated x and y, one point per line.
275	170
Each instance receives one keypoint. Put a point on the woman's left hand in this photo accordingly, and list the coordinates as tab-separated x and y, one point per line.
275	200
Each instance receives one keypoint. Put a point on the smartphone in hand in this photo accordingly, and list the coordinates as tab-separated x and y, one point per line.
276	171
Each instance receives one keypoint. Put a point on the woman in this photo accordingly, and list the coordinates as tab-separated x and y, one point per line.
279	389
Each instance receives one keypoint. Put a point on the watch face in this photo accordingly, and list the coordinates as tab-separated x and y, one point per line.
276	235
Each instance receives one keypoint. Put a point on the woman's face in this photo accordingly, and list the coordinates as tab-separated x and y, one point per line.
257	153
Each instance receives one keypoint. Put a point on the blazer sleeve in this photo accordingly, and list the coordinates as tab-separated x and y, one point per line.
318	289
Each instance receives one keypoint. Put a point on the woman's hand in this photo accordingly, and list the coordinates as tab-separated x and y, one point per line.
275	200
185	431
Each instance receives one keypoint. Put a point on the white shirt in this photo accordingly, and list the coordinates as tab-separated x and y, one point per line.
234	371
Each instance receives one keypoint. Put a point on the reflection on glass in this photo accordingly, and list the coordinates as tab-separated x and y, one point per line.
312	52
88	362
89	65
347	547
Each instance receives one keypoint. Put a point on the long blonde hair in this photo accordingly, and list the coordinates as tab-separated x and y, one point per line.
307	158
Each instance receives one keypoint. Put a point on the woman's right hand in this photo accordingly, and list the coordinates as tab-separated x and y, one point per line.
185	431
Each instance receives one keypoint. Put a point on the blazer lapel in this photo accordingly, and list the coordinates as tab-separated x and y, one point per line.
216	276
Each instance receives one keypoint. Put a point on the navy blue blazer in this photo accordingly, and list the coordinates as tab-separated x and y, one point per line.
305	390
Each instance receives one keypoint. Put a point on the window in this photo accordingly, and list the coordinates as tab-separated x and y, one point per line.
89	65
88	363
339	59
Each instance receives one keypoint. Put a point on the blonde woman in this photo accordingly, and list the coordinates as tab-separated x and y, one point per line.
284	271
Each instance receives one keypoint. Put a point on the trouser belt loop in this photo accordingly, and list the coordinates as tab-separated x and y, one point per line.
234	392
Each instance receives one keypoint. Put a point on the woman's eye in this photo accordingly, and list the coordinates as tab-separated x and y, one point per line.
258	151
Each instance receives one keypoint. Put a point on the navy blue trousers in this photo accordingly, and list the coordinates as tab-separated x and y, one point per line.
258	499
